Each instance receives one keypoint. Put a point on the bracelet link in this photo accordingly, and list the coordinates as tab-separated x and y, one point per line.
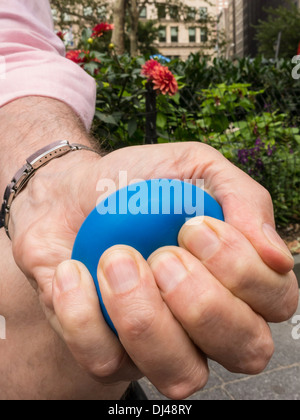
33	163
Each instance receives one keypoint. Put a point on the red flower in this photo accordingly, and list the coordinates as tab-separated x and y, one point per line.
149	67
161	77
60	35
99	29
74	55
164	80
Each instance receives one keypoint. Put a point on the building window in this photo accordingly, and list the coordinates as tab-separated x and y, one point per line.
54	15
203	13
174	34
191	13
143	13
204	35
173	10
66	17
162	34
101	12
88	11
192	34
161	11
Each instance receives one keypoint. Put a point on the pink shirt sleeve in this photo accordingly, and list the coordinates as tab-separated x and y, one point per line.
33	63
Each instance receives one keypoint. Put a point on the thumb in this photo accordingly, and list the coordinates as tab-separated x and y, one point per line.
75	301
80	323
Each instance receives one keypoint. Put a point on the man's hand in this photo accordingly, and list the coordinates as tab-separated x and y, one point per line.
210	297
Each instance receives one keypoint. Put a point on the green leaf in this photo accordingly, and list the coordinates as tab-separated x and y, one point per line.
162	140
176	98
161	120
241	124
297	138
91	67
220	123
132	127
108	119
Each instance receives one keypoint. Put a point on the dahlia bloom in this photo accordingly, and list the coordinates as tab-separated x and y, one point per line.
161	77
74	55
164	80
99	29
149	67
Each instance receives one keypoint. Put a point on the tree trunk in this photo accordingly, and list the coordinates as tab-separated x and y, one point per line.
134	20
118	36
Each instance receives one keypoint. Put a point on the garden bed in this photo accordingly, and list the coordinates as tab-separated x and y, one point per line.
291	236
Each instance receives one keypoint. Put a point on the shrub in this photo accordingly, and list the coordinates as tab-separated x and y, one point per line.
247	110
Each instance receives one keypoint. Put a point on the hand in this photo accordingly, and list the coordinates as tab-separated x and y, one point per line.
210	297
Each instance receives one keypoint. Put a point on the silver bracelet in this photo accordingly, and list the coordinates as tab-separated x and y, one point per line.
33	163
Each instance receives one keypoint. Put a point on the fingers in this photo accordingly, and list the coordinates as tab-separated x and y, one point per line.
223	327
246	204
231	259
152	337
248	207
80	323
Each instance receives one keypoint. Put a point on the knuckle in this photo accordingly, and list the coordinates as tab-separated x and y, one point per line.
178	391
137	322
284	300
202	315
186	387
244	274
289	301
258	357
266	197
105	369
76	319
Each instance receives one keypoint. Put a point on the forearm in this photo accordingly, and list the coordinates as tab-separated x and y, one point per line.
31	123
34	60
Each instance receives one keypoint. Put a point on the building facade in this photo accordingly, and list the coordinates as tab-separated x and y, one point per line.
241	15
182	32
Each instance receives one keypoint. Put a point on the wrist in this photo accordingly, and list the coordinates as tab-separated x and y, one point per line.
35	164
30	123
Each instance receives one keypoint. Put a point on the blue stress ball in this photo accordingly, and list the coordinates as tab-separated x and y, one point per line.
146	215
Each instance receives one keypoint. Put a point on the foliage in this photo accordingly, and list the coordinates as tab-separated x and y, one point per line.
263	145
281	91
284	20
82	13
87	13
251	118
147	36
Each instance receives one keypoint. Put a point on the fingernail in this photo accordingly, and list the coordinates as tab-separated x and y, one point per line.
169	271
67	276
275	239
202	240
121	272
